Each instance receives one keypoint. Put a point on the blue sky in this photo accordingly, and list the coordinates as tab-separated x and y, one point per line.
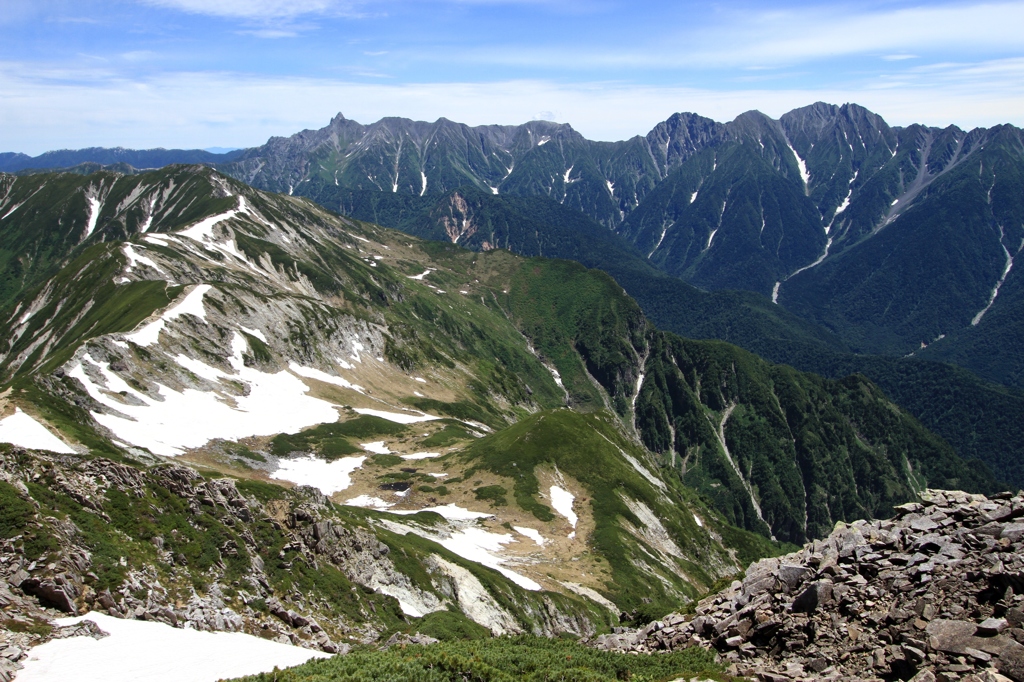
199	73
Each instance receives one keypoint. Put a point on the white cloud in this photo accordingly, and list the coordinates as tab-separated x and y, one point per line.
745	39
46	110
254	9
830	31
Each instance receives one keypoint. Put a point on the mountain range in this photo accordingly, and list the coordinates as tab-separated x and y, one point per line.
828	210
897	240
416	377
181	316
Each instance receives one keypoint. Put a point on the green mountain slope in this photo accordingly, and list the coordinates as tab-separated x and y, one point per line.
889	237
533	453
977	418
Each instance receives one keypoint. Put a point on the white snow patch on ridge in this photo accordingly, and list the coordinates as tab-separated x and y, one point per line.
421	455
276	403
561	500
190	305
155	652
22	430
452	512
134	257
804	175
397	417
254	332
313	373
377	447
94	215
329	477
531	533
203	230
367	501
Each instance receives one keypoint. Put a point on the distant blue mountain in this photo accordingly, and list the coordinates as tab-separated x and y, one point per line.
138	158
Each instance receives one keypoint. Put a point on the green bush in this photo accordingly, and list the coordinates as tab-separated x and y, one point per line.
506	659
494	493
450	626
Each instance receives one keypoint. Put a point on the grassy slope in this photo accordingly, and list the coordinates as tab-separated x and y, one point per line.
519	659
977	418
833	449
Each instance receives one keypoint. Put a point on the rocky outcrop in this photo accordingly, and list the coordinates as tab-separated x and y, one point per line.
936	593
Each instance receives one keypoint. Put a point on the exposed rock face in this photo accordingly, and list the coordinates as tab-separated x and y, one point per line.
936	593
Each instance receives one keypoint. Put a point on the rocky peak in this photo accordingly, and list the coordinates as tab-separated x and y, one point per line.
935	593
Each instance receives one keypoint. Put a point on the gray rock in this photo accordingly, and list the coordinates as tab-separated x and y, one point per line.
816	594
1013	532
992	626
951	636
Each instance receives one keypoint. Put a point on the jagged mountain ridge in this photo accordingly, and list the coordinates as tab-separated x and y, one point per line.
311	290
757	204
871	230
976	417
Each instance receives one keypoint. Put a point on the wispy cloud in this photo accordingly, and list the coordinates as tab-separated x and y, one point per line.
256	9
55	108
733	38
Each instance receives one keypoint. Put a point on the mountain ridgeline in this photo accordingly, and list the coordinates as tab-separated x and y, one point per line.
891	238
182	314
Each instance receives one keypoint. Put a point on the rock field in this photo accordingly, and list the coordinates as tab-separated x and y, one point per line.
936	593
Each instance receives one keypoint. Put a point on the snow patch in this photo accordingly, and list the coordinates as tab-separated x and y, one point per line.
178	420
255	332
421	275
451	512
313	373
397	417
377	447
804	175
155	652
421	455
192	304
94	215
469	541
22	430
561	500
775	293
368	502
711	238
700	522
203	230
134	257
329	477
531	533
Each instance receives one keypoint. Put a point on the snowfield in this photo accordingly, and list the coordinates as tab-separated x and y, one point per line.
397	417
155	652
561	500
276	403
329	477
22	430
